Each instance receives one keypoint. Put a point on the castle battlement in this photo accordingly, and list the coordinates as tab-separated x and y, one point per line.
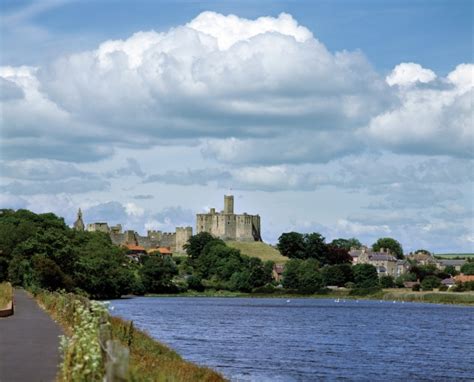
229	226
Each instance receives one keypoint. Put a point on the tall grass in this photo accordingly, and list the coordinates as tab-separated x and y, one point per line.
149	360
6	294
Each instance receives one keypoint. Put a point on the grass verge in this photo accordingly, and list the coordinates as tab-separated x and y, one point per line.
462	298
149	360
6	294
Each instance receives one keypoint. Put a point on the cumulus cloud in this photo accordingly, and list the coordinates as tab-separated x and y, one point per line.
427	116
408	73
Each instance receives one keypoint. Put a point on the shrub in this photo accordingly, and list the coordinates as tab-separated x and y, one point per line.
430	282
443	288
350	285
386	282
416	288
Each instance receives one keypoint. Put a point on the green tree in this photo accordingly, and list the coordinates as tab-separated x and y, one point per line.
430	282
387	282
290	274
346	244
365	276
393	245
309	278
157	273
196	244
337	275
468	268
292	245
451	270
316	248
48	275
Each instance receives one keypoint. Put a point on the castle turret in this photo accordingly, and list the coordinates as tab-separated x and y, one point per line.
228	204
79	224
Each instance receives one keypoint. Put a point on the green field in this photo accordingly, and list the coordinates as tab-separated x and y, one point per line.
258	249
451	255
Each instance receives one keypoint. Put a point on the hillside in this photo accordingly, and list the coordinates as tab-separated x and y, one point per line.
453	255
258	249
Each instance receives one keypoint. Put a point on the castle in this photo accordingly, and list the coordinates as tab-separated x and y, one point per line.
227	225
154	239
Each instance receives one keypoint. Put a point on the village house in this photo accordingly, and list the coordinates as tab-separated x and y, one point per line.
385	263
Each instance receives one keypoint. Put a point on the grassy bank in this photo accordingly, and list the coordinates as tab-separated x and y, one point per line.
6	294
83	321
258	249
464	298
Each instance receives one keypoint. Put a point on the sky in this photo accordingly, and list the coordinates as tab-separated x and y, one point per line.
348	118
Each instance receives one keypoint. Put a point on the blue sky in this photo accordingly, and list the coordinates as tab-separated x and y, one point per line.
351	118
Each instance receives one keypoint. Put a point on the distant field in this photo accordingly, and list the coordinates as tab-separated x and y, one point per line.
450	255
261	250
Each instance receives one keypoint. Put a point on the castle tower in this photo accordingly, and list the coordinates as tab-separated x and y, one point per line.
79	224
228	204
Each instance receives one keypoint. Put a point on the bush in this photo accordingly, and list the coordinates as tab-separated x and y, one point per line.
416	288
443	288
350	285
430	282
386	282
195	283
266	289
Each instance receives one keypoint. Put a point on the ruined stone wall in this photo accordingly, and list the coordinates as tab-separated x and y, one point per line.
183	234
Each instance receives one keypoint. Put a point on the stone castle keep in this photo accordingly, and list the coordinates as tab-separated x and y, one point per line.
225	225
229	226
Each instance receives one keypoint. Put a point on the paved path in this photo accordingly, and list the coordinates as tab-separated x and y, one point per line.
28	343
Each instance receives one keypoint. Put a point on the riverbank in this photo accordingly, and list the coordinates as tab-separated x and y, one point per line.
402	294
83	357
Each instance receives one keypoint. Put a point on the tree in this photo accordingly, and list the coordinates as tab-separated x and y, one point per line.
48	275
451	270
468	268
292	245
290	274
386	242
386	282
337	275
316	248
309	279
346	244
336	255
157	273
365	276
196	244
430	282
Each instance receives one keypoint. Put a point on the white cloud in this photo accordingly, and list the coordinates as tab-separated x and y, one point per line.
408	73
133	210
228	30
427	116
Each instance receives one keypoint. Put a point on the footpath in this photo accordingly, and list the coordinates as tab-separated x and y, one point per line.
29	343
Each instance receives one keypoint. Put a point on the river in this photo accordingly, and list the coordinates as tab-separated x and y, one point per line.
263	339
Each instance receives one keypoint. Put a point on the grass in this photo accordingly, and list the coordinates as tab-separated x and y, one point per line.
258	249
6	294
451	255
462	298
150	360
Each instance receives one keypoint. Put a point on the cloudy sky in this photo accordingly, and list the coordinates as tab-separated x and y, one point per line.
346	118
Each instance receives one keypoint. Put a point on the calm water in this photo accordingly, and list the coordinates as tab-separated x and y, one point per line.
310	340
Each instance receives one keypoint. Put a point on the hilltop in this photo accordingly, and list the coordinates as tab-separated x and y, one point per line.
258	249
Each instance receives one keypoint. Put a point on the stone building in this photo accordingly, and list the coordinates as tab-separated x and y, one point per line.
229	226
79	224
154	239
385	263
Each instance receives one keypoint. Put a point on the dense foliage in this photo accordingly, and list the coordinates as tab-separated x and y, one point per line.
313	246
388	243
39	250
468	268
